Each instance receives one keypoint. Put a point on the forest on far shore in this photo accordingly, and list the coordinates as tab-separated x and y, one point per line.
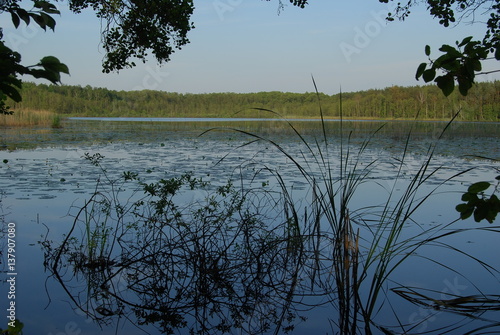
396	102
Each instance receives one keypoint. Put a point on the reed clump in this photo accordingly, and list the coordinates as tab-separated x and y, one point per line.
355	249
31	118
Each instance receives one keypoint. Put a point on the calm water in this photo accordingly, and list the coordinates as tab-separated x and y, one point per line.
44	181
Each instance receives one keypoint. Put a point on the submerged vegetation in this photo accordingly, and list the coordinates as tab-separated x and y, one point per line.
481	104
252	257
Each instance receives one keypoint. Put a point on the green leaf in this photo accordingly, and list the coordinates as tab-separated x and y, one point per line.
51	76
447	62
12	81
471	66
11	92
495	201
49	62
63	68
473	48
465	41
53	63
464	85
15	19
469	197
466	214
446	83
491	215
476	65
47	7
24	15
451	51
39	20
49	21
461	208
420	70
427	50
478	187
480	213
429	75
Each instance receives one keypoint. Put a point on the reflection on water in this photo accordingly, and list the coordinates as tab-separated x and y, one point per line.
212	267
88	131
216	273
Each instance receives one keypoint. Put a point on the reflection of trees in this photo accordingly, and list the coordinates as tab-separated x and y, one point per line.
218	265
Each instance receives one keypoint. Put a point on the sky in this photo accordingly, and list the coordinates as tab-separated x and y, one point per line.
247	46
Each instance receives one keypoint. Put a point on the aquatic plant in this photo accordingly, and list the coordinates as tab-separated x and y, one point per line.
478	203
220	262
252	257
356	250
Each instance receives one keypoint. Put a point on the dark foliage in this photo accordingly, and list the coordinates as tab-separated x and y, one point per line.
131	29
49	67
460	64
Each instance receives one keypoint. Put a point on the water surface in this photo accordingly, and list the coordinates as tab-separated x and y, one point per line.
44	179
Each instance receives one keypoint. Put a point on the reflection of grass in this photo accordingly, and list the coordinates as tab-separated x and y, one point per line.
457	304
218	255
29	118
363	262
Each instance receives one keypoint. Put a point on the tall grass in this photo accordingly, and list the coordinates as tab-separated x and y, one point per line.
30	118
365	244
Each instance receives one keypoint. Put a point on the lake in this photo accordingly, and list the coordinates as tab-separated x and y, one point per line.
262	254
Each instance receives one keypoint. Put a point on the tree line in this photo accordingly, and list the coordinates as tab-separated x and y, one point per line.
396	102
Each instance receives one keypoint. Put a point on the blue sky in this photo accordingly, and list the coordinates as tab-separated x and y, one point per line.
245	46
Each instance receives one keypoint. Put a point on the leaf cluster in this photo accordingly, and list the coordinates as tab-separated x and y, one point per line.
461	63
132	29
41	14
458	63
479	204
49	67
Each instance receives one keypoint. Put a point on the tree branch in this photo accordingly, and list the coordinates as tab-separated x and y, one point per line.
488	72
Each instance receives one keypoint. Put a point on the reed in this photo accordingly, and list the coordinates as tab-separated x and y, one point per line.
366	245
31	118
